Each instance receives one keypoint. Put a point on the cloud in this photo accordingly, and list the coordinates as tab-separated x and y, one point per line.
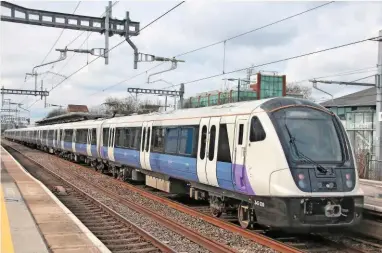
192	25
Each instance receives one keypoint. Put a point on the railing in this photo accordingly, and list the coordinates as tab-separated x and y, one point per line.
374	170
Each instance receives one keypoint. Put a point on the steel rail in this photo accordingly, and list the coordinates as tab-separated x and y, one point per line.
172	225
114	214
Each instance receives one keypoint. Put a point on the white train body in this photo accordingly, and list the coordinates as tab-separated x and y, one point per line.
281	162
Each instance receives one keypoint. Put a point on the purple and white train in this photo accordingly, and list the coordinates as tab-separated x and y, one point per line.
280	162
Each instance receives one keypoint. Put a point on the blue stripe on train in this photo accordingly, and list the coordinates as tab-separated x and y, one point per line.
104	154
93	150
177	166
68	146
224	175
81	148
128	157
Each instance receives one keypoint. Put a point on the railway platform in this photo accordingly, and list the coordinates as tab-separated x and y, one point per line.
373	195
34	220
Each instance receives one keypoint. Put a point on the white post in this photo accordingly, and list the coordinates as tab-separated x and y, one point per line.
378	83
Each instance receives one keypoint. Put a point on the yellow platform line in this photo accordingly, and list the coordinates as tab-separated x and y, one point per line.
6	237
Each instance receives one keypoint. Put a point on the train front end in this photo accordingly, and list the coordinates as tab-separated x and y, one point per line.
320	189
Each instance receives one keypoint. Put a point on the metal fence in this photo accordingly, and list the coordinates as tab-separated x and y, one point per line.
374	170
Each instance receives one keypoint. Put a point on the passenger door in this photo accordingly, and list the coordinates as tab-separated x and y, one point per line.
202	150
88	142
212	151
110	150
241	139
146	145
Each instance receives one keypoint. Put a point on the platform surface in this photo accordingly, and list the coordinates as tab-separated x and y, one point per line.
35	221
373	194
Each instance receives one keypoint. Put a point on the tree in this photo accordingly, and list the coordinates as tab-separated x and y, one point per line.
125	106
55	112
294	88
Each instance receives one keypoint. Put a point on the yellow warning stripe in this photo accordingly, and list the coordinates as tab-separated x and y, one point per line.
6	237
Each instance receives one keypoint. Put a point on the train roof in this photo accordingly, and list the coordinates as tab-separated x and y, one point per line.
246	107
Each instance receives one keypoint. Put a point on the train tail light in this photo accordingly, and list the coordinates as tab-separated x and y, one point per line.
349	182
301	180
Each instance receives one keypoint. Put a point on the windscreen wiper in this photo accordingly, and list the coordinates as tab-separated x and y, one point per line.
292	140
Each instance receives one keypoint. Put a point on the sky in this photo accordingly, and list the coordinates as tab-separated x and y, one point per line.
192	25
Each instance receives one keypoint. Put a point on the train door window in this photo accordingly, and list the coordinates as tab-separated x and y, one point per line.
186	141
137	138
158	139
105	136
224	152
257	131
203	143
211	150
143	139
241	134
148	139
171	142
94	137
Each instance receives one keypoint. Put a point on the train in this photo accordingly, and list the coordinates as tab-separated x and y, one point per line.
284	163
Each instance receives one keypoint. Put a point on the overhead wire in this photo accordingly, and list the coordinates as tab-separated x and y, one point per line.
222	41
152	22
283	60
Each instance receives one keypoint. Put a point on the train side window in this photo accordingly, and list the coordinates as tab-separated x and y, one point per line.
186	141
137	138
224	152
143	139
257	131
211	150
119	137
157	141
94	136
171	145
148	139
241	134
127	137
105	137
203	143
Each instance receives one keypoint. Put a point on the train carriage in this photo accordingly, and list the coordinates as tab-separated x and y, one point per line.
280	162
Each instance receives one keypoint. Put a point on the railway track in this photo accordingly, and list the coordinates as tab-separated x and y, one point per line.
115	232
94	208
279	242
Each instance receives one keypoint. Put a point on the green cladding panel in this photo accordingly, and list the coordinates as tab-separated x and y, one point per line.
271	86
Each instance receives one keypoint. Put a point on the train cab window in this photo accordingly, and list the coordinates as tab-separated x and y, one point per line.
203	143
186	141
94	137
224	152
211	150
105	137
148	139
157	141
171	142
257	132
241	134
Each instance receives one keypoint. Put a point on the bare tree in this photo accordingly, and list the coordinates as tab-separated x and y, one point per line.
299	89
55	112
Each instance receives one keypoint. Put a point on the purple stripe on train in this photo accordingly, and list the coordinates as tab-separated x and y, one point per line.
241	179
